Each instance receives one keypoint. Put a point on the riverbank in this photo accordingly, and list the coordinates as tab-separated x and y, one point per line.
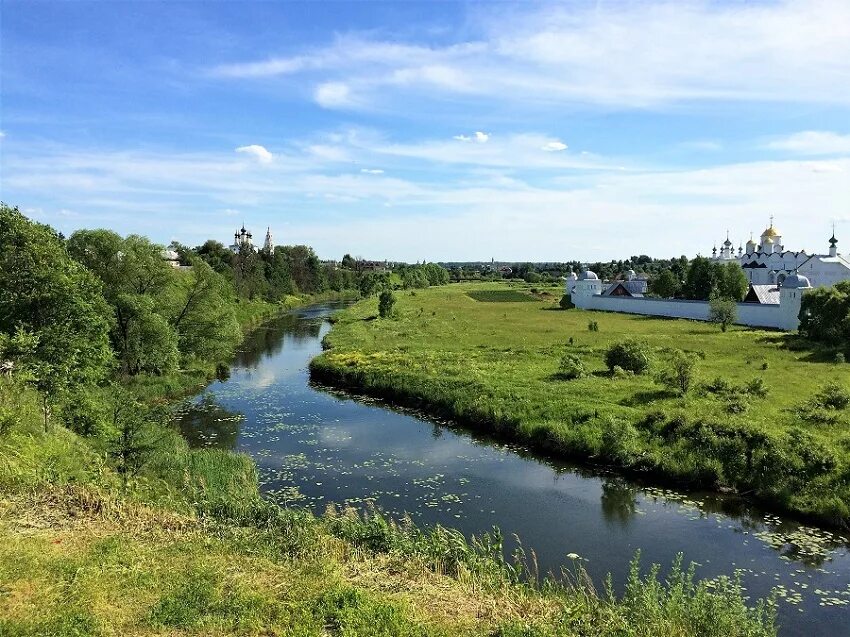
488	355
188	545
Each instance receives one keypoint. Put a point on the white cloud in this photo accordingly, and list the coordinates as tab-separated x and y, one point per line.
258	152
553	146
813	143
632	55
478	137
2	134
334	95
372	171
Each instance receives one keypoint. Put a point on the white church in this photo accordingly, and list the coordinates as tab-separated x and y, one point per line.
769	263
244	239
778	280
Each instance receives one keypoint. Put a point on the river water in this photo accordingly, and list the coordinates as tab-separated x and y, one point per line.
314	447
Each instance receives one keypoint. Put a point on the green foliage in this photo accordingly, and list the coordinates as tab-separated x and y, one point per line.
592	326
572	367
706	279
43	292
722	311
566	303
825	314
630	355
681	373
665	285
386	303
833	396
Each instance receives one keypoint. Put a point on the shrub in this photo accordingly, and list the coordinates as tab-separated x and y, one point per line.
632	356
619	441
566	302
833	396
681	374
756	388
593	326
840	358
572	367
764	365
724	312
386	302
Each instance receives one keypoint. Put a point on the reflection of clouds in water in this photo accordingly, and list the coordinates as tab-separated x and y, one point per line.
337	436
261	378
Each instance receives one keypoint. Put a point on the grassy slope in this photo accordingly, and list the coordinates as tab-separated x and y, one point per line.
191	549
495	364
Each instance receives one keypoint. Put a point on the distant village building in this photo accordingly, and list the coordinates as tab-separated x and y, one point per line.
171	257
769	263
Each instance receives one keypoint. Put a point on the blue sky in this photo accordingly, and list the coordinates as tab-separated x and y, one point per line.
432	130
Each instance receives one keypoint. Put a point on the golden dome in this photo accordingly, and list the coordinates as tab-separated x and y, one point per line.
767	239
770	233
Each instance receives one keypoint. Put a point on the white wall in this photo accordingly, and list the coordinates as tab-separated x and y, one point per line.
751	314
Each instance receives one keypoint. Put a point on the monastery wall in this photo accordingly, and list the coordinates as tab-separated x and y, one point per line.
751	314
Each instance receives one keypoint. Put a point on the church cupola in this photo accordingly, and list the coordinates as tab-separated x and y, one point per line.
751	245
833	245
775	239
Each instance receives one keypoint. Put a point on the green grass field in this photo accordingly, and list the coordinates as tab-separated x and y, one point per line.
461	350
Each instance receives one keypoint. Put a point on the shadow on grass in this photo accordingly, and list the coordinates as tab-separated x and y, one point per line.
371	318
638	399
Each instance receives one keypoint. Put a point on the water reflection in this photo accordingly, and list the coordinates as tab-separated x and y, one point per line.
205	424
619	501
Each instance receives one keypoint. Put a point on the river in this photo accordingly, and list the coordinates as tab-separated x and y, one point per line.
314	447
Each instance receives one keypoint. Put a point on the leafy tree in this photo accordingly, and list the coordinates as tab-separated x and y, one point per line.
732	283
43	291
278	275
249	274
144	340
203	314
665	284
305	268
825	314
132	445
373	282
386	303
349	262
701	279
217	256
722	311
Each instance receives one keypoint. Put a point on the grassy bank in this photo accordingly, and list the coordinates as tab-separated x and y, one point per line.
191	549
759	419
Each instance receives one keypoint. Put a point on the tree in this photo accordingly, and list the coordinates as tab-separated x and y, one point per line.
825	314
665	284
249	273
144	340
132	444
701	280
217	256
348	262
722	311
45	292
386	302
732	283
203	315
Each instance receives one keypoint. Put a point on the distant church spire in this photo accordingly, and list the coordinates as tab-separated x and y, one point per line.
268	244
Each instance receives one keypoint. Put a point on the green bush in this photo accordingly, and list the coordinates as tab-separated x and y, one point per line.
632	356
593	326
681	374
833	396
566	302
386	303
572	367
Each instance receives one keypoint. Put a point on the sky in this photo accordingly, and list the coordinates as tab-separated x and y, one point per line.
445	131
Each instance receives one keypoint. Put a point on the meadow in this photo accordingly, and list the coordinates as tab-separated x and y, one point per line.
766	415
